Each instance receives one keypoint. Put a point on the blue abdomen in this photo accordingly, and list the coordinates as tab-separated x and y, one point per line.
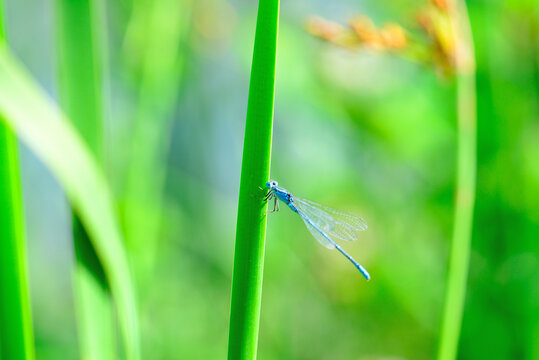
286	197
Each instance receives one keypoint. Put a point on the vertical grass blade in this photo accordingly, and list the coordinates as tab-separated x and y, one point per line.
80	89
160	68
251	222
93	302
16	336
459	256
79	68
34	116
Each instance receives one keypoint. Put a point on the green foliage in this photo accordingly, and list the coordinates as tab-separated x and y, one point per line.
160	63
80	85
459	257
251	223
16	333
362	131
79	68
33	115
15	321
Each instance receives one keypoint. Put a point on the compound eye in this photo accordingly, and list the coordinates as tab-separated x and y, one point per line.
274	183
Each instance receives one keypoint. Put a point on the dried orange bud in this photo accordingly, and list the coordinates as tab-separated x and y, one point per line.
365	30
323	29
393	36
424	20
440	4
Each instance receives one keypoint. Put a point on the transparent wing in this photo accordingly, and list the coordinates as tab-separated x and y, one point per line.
319	237
337	224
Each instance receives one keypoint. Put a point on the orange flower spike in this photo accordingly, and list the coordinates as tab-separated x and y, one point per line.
331	32
393	36
442	34
324	29
440	4
425	22
364	28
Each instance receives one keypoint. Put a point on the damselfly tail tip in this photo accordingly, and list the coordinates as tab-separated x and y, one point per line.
364	272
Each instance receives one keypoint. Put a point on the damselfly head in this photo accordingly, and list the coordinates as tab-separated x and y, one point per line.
271	184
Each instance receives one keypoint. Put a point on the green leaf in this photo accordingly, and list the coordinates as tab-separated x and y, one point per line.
38	122
80	84
251	223
162	58
16	335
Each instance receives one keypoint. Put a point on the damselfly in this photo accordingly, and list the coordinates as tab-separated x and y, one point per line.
324	223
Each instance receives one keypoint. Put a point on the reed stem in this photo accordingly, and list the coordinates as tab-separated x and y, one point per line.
16	335
459	256
251	222
80	83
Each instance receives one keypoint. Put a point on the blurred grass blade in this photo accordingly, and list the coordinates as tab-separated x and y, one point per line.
41	125
161	54
93	301
16	335
459	256
80	69
251	222
80	89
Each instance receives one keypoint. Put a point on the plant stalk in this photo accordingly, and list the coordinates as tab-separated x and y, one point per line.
80	88
16	334
33	115
251	221
459	256
161	71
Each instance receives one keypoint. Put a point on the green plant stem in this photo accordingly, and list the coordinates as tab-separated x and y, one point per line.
33	115
80	89
251	222
16	335
79	69
459	256
162	62
15	319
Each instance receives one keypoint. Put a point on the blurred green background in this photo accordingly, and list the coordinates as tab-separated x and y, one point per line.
361	131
